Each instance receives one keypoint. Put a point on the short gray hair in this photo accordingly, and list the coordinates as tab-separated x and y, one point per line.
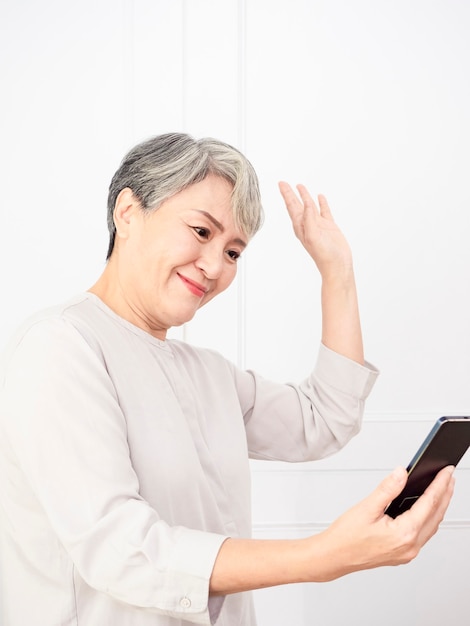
164	165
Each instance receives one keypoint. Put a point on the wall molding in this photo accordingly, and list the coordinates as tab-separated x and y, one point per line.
423	415
311	528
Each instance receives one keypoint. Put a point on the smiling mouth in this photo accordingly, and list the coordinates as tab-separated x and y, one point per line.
194	288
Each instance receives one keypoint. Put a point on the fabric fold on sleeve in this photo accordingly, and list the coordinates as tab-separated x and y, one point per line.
347	376
306	421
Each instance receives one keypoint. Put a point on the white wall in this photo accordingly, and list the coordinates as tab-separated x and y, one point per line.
366	101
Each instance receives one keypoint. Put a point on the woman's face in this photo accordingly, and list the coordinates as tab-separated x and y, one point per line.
177	258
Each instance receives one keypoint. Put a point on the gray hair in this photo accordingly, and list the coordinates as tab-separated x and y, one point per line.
164	165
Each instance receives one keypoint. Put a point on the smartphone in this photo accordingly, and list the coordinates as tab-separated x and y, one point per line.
445	445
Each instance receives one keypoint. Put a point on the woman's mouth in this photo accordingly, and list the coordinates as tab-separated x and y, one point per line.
195	288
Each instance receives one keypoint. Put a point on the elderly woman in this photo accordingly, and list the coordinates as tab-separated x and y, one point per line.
124	475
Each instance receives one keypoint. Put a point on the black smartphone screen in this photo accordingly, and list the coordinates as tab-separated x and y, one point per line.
445	445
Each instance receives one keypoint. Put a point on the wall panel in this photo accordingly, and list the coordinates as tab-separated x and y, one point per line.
366	103
63	124
156	59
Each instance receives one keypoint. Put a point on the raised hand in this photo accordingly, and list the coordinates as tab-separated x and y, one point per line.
316	229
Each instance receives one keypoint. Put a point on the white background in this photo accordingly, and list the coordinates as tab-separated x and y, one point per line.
366	101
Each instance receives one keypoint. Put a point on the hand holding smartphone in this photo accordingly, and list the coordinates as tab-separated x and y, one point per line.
445	445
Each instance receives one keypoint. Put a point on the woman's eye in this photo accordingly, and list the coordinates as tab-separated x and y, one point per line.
201	231
233	254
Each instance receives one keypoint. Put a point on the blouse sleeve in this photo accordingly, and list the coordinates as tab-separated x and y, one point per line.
307	421
61	415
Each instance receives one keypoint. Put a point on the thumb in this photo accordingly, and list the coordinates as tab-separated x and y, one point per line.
387	490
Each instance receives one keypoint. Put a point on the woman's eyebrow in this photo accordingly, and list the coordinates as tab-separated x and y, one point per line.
220	226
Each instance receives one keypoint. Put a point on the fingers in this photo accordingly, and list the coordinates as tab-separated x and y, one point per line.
386	491
325	210
303	211
374	539
433	503
306	197
422	520
290	198
294	205
434	500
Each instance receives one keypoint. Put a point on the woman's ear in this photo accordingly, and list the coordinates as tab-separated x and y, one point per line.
125	207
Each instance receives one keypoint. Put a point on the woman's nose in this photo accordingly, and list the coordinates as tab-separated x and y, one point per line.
211	262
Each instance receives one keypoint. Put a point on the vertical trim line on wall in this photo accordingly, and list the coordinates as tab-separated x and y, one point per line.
129	64
241	124
184	63
184	75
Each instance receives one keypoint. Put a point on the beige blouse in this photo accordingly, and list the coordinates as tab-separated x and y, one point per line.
124	466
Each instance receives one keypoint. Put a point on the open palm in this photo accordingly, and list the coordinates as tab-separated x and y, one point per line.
316	229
